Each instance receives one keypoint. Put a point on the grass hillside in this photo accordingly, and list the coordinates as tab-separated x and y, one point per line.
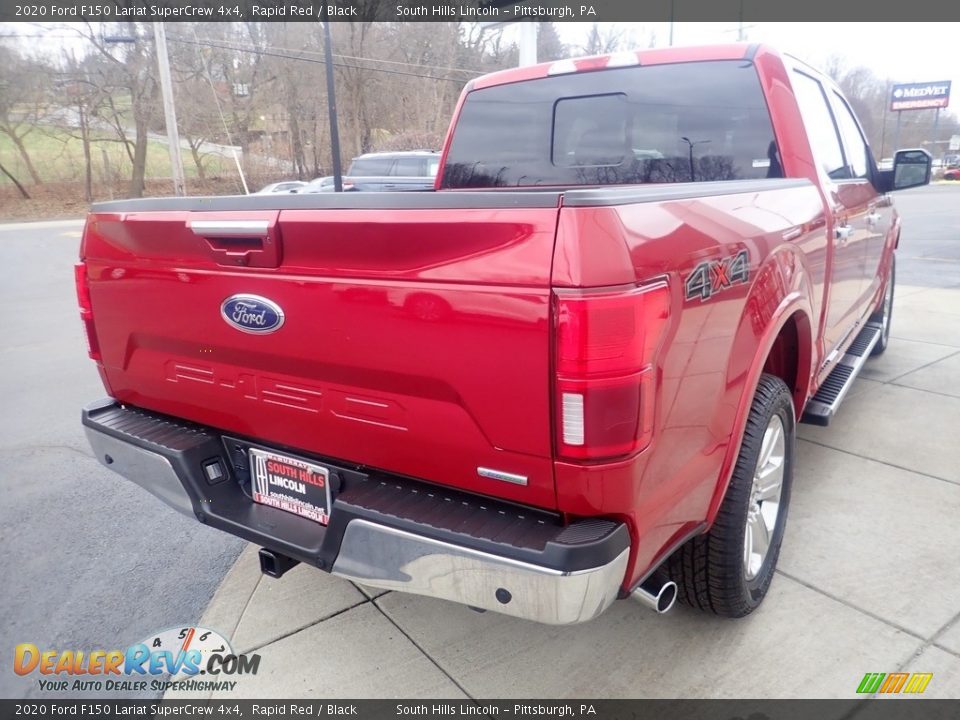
58	157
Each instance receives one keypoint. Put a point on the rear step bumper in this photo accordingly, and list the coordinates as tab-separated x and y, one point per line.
384	531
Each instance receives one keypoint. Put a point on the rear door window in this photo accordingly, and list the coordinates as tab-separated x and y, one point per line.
370	167
661	123
409	167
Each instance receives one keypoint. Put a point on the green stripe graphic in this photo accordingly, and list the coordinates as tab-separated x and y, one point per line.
871	683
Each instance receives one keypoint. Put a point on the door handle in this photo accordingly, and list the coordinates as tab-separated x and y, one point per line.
843	233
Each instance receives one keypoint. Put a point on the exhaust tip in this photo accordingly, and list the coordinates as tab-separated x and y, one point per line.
658	597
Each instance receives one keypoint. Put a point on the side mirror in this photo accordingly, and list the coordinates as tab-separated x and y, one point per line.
911	168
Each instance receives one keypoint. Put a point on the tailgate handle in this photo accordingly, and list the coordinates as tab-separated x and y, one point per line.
230	228
239	242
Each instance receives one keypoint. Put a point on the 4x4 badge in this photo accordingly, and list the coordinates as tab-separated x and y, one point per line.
712	276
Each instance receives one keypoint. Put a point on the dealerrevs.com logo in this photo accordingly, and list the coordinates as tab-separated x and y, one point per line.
184	658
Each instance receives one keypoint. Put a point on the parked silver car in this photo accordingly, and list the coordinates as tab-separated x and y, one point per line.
286	186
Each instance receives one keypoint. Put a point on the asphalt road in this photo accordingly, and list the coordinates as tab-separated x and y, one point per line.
88	561
929	252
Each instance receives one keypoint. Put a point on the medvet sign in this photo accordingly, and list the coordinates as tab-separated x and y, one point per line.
920	96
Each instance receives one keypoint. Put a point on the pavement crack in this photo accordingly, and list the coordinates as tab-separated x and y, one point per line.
923	367
28	446
427	655
926	644
923	390
925	342
893	381
246	606
847	603
942	631
304	627
881	462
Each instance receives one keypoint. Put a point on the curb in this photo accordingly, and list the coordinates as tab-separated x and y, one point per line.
227	606
230	600
41	224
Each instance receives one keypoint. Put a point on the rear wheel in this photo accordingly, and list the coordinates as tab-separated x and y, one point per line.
729	569
885	312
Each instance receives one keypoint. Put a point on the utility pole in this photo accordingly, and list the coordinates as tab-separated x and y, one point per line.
883	131
528	43
671	21
936	129
691	143
332	104
169	111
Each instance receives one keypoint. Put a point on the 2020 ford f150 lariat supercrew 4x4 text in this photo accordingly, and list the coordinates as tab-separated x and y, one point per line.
571	373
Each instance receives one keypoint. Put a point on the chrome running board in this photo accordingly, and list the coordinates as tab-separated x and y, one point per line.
822	406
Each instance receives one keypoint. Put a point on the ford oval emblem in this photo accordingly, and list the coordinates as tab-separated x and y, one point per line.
252	314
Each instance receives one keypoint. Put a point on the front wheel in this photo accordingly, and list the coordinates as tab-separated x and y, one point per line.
884	313
728	570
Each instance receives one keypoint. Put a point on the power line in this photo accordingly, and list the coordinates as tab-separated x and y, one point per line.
470	71
38	35
247	48
268	53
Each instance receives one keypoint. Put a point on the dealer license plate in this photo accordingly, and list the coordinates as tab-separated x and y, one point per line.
291	484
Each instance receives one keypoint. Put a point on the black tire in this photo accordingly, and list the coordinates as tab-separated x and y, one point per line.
710	569
884	314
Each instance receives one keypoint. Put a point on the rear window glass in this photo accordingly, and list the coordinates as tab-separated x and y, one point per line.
684	122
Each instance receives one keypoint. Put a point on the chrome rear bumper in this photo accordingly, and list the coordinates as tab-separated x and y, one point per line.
582	568
151	471
392	559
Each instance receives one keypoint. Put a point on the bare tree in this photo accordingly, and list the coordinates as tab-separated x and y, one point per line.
80	100
127	64
197	98
605	38
23	192
869	97
24	96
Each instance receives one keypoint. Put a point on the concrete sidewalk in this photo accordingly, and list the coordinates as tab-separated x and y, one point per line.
867	580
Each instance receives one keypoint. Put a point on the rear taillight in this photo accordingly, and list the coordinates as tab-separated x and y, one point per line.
606	343
86	309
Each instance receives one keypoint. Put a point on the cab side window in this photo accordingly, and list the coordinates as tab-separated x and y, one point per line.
817	118
854	146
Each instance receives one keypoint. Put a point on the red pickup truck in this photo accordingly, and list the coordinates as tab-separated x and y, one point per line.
570	373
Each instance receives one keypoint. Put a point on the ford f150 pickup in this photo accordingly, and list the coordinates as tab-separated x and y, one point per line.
571	373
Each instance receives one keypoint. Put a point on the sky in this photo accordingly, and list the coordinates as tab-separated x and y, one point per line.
902	52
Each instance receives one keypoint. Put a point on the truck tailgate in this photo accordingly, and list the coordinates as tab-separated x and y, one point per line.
414	341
